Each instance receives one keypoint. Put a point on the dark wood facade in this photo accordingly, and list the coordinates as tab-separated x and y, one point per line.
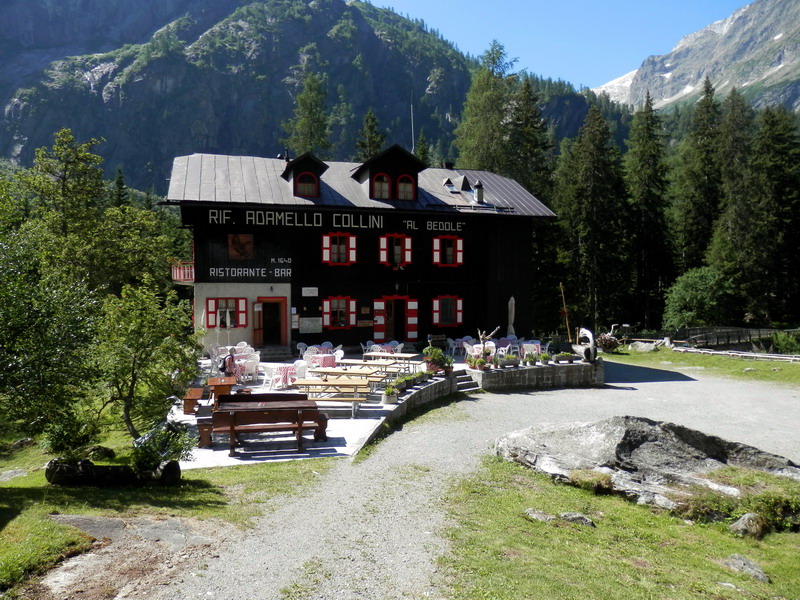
381	250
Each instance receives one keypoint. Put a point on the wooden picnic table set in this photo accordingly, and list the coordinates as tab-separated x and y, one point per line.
234	414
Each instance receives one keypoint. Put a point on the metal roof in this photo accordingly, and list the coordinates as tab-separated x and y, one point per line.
250	180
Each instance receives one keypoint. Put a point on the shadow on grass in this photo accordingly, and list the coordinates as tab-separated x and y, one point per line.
622	373
189	495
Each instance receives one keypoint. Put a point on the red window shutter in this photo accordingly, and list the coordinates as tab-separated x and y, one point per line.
459	311
459	258
407	250
383	250
326	248
326	313
352	312
241	312
351	245
437	251
211	313
436	312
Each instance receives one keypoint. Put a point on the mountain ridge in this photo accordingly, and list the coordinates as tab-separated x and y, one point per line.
756	49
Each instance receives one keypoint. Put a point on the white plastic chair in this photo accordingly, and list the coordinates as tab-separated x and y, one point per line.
301	348
328	345
451	346
250	369
469	349
301	367
241	345
338	355
394	343
399	347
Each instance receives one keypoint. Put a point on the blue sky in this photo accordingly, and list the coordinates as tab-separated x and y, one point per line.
585	42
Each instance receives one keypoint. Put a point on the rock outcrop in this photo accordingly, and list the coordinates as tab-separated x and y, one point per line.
647	460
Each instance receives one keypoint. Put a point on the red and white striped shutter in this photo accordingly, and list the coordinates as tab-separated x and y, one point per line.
459	251
459	311
379	326
211	313
241	312
437	251
352	312
407	250
326	248
326	313
412	320
351	243
436	312
383	250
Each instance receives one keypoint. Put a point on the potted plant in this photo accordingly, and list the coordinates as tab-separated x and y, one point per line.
565	357
447	364
544	357
399	384
470	360
510	360
389	395
480	364
437	359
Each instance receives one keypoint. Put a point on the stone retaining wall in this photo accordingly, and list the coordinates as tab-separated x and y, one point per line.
579	374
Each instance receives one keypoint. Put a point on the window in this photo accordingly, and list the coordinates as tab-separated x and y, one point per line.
448	311
338	312
448	251
381	187
395	250
405	188
306	185
226	312
338	249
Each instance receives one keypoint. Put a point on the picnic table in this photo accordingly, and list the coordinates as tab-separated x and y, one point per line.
354	371
233	415
340	389
405	359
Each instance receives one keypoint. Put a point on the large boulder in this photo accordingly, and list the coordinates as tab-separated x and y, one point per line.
647	460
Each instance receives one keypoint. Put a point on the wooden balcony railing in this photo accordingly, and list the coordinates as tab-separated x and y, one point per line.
183	272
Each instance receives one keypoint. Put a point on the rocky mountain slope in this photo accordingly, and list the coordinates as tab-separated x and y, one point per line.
160	78
756	50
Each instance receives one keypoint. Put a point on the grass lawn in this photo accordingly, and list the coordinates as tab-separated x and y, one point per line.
724	366
633	553
30	542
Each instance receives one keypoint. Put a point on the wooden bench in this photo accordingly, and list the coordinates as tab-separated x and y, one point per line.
255	413
193	394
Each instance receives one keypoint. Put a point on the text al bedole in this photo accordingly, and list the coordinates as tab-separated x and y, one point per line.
278	218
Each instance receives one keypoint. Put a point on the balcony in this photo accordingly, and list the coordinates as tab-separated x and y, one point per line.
183	272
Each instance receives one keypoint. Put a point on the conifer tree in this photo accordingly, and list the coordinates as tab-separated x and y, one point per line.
699	185
370	139
592	209
729	247
646	178
528	145
119	191
422	149
772	247
309	129
481	136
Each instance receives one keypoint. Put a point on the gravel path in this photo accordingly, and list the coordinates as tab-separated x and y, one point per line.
371	530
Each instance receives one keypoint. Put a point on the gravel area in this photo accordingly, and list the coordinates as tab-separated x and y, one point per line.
372	530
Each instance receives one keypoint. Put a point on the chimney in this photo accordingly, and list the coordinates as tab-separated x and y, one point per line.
478	192
286	154
449	165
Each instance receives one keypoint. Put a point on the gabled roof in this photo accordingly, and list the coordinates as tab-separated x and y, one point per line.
307	162
214	179
392	153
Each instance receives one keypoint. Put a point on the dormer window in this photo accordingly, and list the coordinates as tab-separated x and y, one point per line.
307	185
447	183
405	188
381	187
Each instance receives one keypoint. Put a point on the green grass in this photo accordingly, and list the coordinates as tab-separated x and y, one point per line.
725	366
30	542
633	553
